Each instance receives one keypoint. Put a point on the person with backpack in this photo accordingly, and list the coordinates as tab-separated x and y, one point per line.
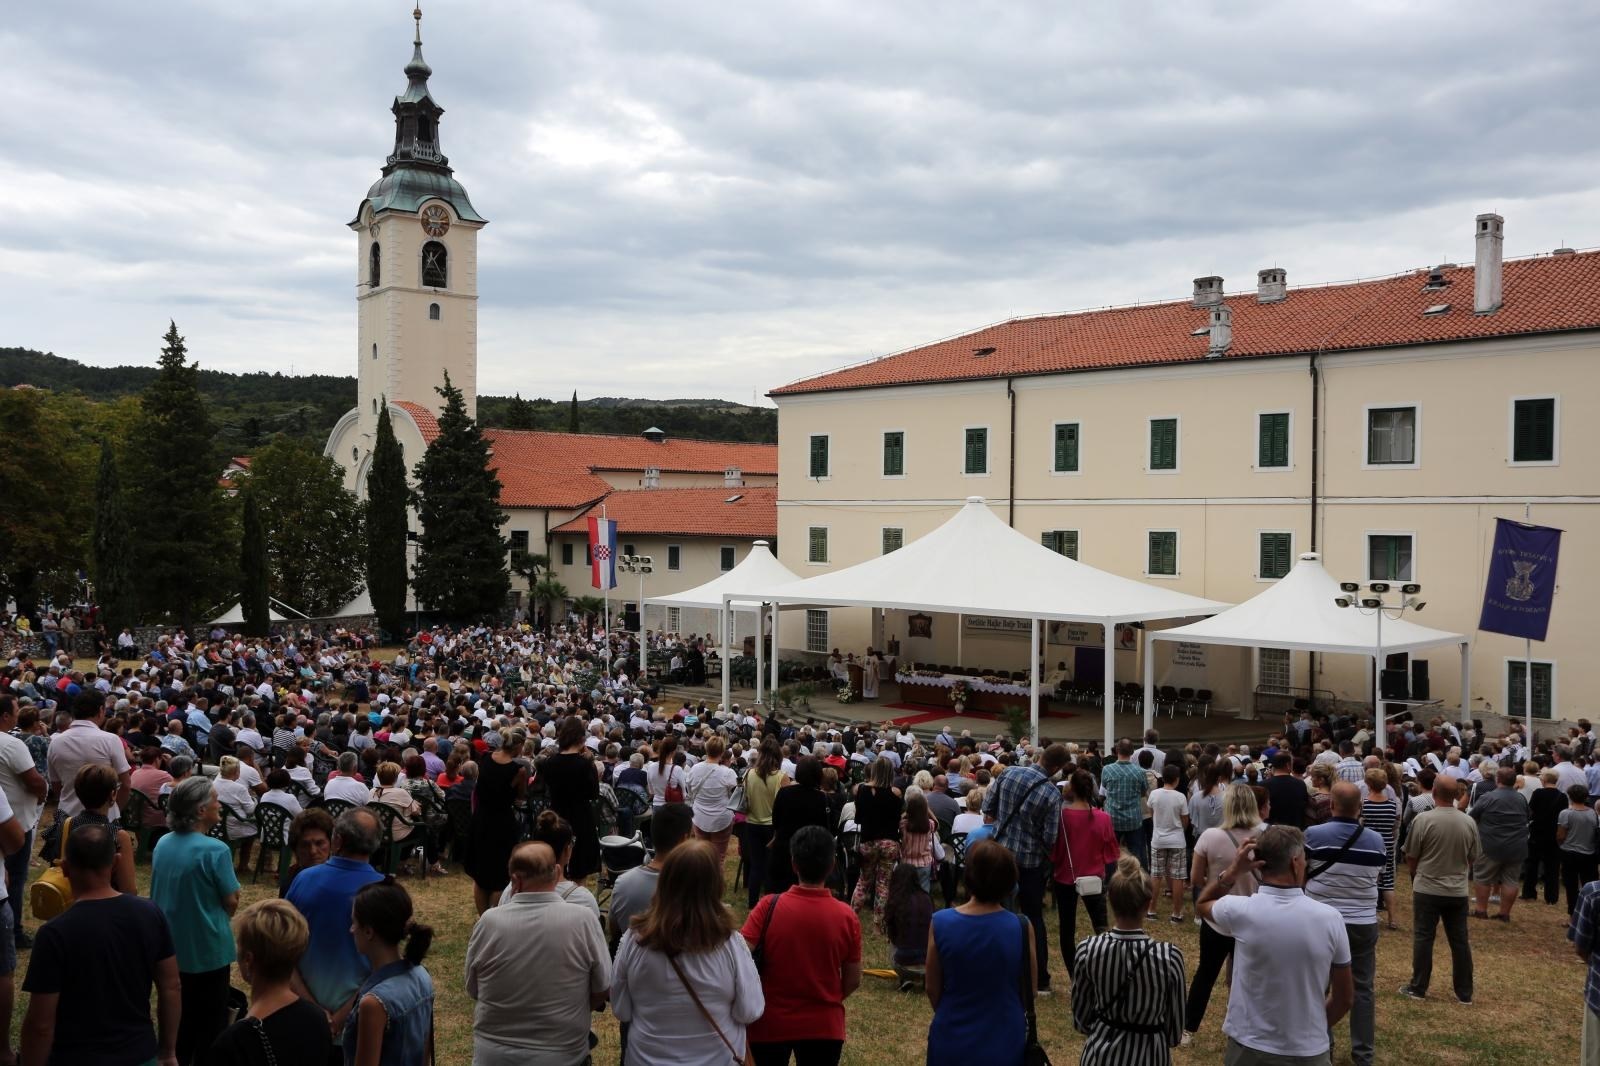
1026	804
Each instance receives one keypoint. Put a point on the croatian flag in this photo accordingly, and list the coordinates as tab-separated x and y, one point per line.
603	552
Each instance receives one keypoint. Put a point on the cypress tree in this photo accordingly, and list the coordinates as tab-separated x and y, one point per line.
253	566
112	547
461	565
386	527
572	417
178	516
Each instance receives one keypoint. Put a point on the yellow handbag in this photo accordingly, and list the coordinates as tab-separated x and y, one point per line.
52	892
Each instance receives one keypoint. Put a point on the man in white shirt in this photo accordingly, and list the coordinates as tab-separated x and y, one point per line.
1291	956
85	742
25	790
1159	757
343	785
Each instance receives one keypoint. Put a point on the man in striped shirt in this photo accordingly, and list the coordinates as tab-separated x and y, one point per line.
1349	767
1344	861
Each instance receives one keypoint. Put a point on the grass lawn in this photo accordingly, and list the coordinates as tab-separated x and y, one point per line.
1528	982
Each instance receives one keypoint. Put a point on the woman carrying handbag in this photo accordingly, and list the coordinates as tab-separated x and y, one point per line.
1086	847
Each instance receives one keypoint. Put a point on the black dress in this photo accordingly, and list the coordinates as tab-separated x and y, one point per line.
793	808
297	1033
494	824
572	786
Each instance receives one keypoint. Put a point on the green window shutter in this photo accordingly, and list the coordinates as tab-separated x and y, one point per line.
893	539
819	545
1163	444
1067	448
1516	690
1534	436
1273	446
977	451
1051	539
1164	553
1068	544
819	456
894	454
1274	555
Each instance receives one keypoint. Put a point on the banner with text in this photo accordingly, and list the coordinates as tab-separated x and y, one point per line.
1522	580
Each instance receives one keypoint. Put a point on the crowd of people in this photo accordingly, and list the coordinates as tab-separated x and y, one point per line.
523	755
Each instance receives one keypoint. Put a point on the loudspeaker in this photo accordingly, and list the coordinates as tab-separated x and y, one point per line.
1419	679
1396	661
630	621
1392	685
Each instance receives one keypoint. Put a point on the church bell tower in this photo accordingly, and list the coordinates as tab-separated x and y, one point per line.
416	269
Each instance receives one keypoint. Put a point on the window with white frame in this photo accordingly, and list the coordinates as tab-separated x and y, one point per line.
674	619
1273	673
894	538
1066	447
1272	440
818	547
1533	430
816	630
1162	554
566	553
674	557
1061	541
1163	444
1544	679
894	453
976	452
1390	557
819	455
1276	554
726	560
1392	436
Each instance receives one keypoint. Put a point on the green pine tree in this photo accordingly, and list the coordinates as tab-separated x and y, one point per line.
41	529
112	548
178	517
255	568
387	500
572	417
461	564
314	539
519	414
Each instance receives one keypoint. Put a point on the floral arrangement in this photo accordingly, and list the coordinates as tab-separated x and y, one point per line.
846	694
959	693
995	679
927	673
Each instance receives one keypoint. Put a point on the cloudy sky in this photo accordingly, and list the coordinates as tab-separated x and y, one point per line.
711	199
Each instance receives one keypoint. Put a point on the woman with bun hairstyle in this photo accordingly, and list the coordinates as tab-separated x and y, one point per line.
392	1023
1127	989
552	829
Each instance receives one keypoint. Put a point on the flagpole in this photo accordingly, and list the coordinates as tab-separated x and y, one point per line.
1527	663
606	593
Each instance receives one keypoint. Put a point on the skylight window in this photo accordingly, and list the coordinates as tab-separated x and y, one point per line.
1201	332
734	499
1437	309
980	353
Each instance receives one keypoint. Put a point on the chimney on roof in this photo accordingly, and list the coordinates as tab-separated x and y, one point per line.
1207	291
1221	330
655	435
733	478
652	477
1272	285
1490	237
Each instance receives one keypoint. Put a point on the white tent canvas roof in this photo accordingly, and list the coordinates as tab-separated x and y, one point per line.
1297	612
234	616
976	564
362	605
759	570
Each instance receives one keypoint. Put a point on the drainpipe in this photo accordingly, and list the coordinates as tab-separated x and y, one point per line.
1316	456
1011	458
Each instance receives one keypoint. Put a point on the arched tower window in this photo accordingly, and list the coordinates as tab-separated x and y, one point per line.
433	312
435	266
374	265
374	351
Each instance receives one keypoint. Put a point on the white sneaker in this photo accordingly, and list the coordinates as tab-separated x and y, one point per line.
1186	1039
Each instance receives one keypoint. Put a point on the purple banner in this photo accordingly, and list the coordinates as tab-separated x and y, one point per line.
1522	580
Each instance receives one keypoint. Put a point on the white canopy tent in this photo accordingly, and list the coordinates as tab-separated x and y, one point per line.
976	564
731	591
362	604
234	616
1298	613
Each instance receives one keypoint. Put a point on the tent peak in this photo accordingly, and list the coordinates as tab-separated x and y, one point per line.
1311	557
975	501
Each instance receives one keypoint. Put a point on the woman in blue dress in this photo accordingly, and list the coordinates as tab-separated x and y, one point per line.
980	958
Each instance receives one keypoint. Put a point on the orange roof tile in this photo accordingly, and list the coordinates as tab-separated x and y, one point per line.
688	512
1544	294
426	422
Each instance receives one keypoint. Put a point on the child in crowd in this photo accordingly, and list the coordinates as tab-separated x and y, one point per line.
1169	817
906	919
919	838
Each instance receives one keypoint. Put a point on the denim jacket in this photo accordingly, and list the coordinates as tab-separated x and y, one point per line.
406	992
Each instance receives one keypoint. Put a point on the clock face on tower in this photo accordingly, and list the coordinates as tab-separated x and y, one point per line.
435	220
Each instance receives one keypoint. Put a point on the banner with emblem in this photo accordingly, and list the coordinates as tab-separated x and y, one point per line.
1522	580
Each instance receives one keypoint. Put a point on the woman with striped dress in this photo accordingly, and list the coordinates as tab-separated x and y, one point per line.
1381	813
1127	989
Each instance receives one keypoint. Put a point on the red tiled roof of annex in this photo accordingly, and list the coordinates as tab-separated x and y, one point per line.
713	512
543	469
1543	294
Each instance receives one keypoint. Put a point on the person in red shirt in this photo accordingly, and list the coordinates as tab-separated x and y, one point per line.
808	950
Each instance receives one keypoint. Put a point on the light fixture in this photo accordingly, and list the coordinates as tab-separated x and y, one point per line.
1418	605
1349	586
1410	589
1380	587
644	570
1372	603
1342	601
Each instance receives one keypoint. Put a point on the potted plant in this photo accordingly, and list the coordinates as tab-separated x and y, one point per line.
959	694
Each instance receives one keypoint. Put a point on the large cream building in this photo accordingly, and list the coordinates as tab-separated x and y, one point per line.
1208	441
416	253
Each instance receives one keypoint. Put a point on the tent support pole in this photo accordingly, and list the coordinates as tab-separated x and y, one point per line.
774	649
1466	684
727	674
1033	676
1149	685
1110	688
960	618
761	618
